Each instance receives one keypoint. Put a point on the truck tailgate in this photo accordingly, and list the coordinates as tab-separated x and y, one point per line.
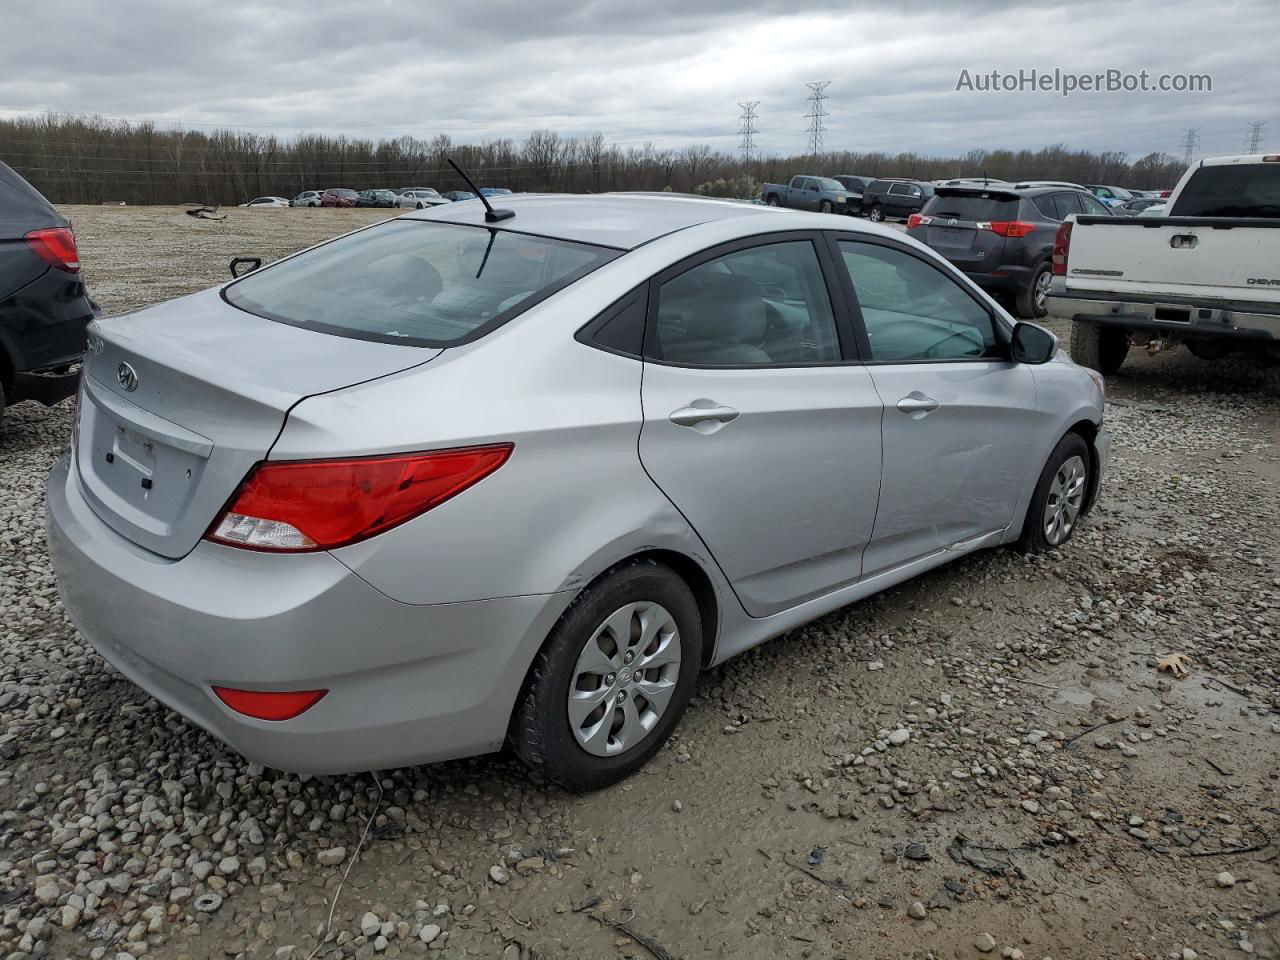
1196	258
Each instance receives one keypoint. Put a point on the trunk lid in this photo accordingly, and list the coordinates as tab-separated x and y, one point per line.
182	399
1209	259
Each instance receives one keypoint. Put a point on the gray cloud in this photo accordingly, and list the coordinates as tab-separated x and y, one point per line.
669	71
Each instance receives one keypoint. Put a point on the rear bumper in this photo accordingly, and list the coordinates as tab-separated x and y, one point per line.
1202	323
407	683
1002	278
49	384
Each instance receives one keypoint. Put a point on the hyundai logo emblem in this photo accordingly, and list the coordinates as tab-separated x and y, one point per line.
127	377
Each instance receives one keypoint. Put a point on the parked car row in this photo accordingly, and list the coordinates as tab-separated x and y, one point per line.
410	198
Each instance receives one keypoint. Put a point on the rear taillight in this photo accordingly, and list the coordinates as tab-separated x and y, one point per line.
269	704
56	246
321	504
1011	228
918	220
1061	244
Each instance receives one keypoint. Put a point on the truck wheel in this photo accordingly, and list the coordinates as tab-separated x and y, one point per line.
825	206
875	214
771	200
1033	300
1099	348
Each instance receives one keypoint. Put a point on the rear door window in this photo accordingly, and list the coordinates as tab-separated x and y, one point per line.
1094	207
415	282
1045	204
1231	190
765	305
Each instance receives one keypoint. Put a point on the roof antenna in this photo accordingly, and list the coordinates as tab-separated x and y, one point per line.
490	215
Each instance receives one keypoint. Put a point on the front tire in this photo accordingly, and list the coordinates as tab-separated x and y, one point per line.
613	679
1098	348
825	206
1033	302
875	214
1060	497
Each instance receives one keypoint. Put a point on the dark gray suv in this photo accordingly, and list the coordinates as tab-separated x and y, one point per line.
1002	237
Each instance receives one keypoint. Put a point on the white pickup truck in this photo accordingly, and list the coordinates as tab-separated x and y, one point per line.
1207	274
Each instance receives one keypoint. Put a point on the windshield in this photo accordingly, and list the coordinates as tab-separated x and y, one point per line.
1231	190
415	282
828	184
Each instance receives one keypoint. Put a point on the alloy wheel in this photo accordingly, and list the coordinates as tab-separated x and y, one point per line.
624	678
1066	496
1043	282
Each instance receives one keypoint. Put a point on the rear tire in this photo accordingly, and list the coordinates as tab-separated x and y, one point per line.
875	214
1099	348
583	716
1032	303
1060	498
771	200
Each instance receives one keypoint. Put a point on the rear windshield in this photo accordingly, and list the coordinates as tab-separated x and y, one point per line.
1235	190
973	206
414	282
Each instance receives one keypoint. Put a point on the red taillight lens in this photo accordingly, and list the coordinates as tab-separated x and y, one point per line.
56	246
322	504
1011	228
269	705
918	220
1061	244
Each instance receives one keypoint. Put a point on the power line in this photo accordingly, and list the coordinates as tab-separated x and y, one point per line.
1190	143
1254	142
817	100
747	129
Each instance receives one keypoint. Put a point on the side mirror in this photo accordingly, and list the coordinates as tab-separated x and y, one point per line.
236	263
1033	344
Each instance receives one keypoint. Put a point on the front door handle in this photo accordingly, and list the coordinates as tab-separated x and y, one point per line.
693	415
916	402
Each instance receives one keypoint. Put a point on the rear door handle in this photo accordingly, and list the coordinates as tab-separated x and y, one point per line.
691	416
916	402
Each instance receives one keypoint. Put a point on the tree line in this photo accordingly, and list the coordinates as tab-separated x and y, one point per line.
73	159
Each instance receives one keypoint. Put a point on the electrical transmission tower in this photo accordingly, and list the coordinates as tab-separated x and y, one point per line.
1190	143
817	101
747	129
1254	142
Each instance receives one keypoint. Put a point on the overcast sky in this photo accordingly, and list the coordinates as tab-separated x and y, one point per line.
667	71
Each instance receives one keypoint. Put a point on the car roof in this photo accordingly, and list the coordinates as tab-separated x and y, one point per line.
619	220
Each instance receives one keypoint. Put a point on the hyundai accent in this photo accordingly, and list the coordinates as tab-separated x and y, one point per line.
465	479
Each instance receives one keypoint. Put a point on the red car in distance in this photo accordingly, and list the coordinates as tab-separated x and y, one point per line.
338	197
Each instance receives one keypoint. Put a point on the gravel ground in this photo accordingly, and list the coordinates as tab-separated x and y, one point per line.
983	762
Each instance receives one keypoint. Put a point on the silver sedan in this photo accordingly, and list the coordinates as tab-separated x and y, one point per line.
449	482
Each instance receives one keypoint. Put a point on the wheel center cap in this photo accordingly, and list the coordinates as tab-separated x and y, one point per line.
624	676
